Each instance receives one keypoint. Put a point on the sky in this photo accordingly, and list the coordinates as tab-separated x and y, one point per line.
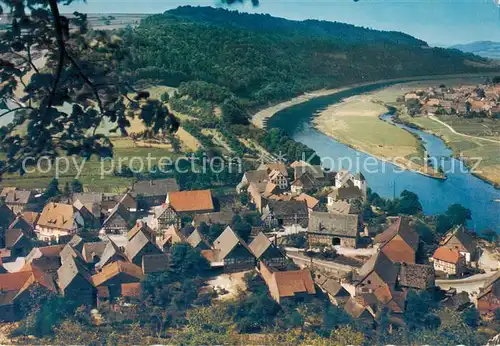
439	22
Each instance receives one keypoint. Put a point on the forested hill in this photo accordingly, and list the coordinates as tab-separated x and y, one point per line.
266	65
313	28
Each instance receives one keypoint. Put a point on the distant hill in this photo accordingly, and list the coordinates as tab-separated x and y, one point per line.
487	49
263	59
312	28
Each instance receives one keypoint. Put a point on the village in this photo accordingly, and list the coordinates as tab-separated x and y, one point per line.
301	228
465	100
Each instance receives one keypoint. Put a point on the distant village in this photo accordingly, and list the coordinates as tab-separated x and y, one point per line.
49	248
466	100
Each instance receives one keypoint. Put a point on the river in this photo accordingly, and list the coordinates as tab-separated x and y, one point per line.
388	180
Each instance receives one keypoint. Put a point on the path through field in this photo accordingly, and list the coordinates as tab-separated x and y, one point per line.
462	134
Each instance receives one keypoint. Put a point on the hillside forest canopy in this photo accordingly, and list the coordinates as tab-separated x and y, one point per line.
214	56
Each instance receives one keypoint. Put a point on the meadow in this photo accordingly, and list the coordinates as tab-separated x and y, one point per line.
355	122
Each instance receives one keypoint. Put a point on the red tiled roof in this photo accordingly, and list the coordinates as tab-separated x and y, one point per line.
114	269
185	201
14	281
446	255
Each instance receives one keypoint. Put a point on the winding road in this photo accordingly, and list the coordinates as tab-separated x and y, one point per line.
471	284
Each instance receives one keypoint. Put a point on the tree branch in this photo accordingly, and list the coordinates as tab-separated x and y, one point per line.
62	50
30	59
14	110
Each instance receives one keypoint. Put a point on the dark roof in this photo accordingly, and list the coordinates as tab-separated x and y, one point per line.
346	193
417	276
6	216
306	180
462	236
315	172
91	250
491	286
227	241
141	226
88	197
457	301
154	263
334	224
222	217
197	241
331	286
263	248
119	209
18	197
12	237
139	242
157	187
260	176
288	208
383	266
111	252
128	201
69	271
404	229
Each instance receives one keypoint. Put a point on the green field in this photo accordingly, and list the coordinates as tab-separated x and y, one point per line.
469	148
91	176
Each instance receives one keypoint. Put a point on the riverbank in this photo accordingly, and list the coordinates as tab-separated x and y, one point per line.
490	174
356	123
259	119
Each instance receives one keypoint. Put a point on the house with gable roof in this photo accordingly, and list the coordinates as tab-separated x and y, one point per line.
17	200
58	220
153	192
337	294
232	251
287	285
267	252
139	246
116	280
198	241
333	229
118	220
400	241
141	226
75	282
279	213
378	271
170	237
459	239
448	261
15	291
111	253
183	203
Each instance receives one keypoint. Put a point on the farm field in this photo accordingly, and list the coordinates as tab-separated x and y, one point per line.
126	153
